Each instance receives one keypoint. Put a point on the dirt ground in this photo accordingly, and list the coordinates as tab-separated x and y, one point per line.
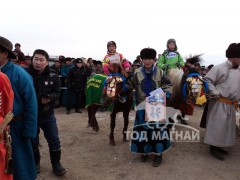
87	154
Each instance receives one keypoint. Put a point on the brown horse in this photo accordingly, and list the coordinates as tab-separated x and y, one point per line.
187	85
112	95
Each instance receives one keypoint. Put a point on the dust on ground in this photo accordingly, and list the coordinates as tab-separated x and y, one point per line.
86	154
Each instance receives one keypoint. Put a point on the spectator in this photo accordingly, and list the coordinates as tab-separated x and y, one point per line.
56	66
47	87
76	81
23	127
19	52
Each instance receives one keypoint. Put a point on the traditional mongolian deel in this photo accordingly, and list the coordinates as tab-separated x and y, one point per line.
223	80
24	125
6	105
148	136
156	108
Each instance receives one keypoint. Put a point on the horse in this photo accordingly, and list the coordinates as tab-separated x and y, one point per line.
113	89
187	86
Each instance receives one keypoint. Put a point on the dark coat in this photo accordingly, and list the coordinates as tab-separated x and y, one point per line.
77	78
46	84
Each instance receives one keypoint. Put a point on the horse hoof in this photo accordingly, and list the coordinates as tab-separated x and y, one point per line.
112	143
96	128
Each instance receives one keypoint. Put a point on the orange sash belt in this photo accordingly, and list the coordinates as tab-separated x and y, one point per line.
224	100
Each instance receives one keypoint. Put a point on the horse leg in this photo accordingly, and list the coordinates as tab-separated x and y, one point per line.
89	109
182	119
112	126
126	121
94	120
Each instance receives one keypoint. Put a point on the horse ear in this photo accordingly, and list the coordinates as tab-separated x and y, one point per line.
189	79
201	78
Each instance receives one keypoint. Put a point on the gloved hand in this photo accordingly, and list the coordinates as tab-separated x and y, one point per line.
167	66
168	94
178	65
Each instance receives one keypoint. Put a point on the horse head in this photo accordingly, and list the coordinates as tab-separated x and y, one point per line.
194	85
114	81
114	68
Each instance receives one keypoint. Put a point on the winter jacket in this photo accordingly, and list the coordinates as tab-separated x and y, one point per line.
77	78
46	84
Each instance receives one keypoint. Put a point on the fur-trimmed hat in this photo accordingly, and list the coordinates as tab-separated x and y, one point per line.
136	63
5	44
98	62
174	41
27	58
68	59
78	60
148	53
111	43
61	58
233	50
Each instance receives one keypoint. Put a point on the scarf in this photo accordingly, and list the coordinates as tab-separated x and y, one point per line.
148	86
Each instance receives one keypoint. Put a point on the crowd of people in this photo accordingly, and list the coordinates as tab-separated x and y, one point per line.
37	87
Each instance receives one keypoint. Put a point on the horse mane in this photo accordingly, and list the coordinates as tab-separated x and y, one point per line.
193	59
176	78
114	68
191	63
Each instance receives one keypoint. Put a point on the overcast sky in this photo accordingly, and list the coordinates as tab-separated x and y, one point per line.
83	28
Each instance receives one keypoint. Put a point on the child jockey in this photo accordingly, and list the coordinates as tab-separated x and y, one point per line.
109	67
170	58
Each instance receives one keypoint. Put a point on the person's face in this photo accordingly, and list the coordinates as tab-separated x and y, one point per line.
39	62
99	66
3	57
28	61
111	48
171	46
236	61
135	66
148	63
79	65
90	61
57	64
16	59
18	48
68	63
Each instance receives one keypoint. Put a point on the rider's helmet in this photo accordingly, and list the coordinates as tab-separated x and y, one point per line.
111	43
174	41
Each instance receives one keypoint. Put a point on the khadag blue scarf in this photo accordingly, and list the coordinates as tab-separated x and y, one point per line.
148	80
184	90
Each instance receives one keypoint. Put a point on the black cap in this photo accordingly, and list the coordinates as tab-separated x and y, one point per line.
78	60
